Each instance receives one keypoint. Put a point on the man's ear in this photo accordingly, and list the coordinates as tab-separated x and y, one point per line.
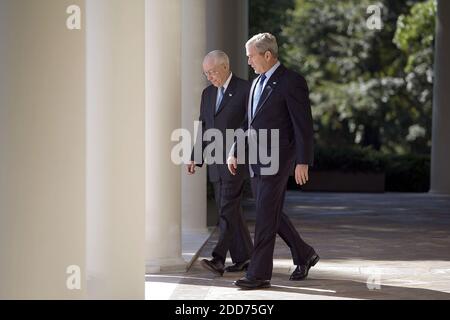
268	55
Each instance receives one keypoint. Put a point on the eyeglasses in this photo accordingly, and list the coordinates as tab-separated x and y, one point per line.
211	73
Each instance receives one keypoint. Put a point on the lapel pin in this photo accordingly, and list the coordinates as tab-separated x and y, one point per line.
230	94
274	83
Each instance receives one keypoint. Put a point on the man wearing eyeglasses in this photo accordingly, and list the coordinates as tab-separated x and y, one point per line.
223	106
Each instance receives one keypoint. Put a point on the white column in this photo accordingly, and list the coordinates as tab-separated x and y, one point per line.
42	151
440	154
193	50
163	116
115	149
227	30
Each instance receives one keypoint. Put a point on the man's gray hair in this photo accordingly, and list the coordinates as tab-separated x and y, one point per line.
264	42
219	57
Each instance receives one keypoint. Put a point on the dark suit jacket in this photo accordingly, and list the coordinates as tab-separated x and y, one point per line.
231	115
284	105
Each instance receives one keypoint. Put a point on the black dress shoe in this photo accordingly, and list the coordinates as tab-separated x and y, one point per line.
238	266
301	272
214	265
251	284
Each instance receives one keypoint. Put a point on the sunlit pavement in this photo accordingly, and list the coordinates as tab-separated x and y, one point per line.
372	246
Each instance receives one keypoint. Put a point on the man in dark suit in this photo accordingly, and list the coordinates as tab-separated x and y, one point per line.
278	101
223	106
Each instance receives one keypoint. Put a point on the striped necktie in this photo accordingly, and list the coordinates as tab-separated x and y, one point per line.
258	92
220	93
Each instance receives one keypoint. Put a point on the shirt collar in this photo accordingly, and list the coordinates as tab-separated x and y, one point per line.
227	83
272	70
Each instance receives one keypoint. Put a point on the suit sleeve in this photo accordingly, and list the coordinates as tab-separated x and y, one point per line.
199	143
299	107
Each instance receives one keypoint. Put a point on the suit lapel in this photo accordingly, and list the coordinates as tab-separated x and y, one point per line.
228	95
212	95
269	88
250	100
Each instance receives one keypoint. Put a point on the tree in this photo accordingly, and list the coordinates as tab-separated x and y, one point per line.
269	16
359	79
415	38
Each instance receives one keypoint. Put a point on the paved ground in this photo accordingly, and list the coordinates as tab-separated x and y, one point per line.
372	246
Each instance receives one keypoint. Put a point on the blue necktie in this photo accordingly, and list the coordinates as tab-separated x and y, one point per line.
258	92
220	93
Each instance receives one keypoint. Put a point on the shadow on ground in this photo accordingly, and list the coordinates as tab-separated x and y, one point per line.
372	246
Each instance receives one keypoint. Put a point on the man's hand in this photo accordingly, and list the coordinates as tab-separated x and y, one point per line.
232	165
301	174
191	168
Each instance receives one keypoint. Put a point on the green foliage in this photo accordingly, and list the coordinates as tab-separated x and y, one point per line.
415	38
407	173
404	173
269	16
348	159
365	88
416	30
371	90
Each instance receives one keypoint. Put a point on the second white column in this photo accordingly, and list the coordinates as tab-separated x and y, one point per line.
163	116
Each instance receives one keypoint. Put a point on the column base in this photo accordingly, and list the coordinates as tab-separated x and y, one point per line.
193	240
439	192
165	265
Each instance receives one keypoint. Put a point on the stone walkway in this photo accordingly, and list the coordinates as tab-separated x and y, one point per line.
372	246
